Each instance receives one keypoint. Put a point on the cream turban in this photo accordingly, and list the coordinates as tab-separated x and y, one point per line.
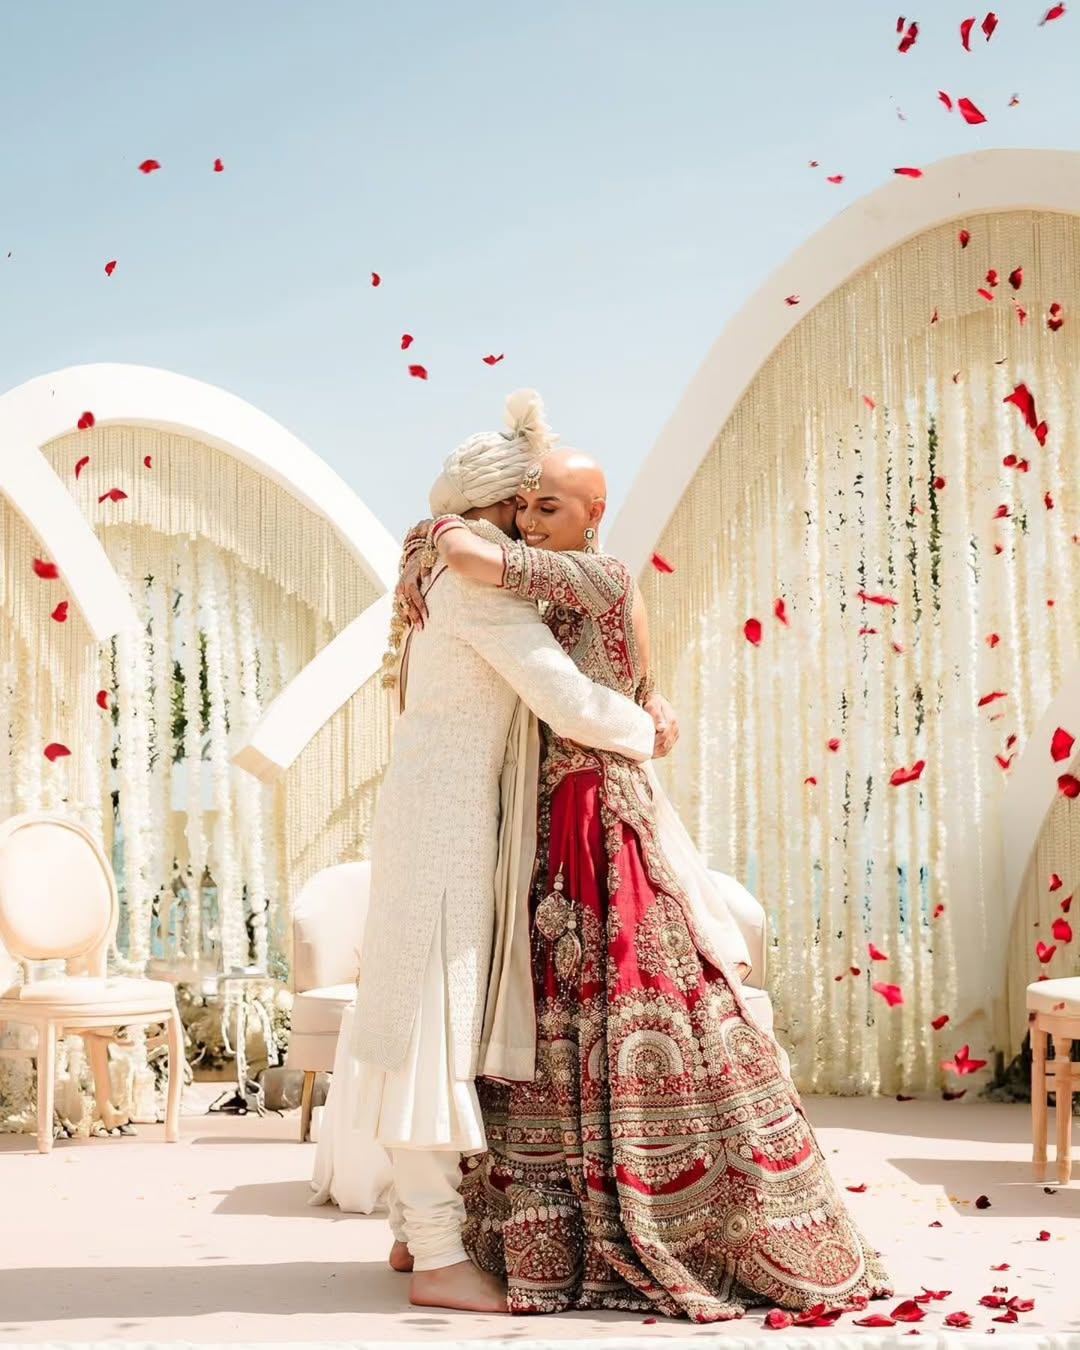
489	467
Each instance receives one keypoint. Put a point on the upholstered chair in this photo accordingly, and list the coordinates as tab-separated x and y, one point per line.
58	903
1053	1008
328	926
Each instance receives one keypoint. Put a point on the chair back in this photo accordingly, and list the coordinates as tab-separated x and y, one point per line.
58	896
328	926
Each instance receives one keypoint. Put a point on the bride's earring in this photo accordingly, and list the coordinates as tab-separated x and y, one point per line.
590	540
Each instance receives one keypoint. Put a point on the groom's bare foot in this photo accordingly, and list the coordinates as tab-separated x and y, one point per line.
461	1286
401	1258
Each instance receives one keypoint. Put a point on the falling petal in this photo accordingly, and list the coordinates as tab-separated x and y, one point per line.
1004	763
780	610
113	495
934	317
908	172
1061	930
47	571
149	166
968	111
81	465
60	613
103	699
965	33
55	750
909	39
1061	745
110	267
86	421
989	24
891	993
1021	313
876	954
406	341
834	744
1044	953
945	99
1055	318
376	280
791	300
1022	398
418	372
1041	433
868	599
962	1064
1055	882
992	278
992	698
662	565
1014	102
986	295
219	167
1016	278
494	360
964	237
1051	14
902	776
812	782
148	462
752	631
835	178
992	639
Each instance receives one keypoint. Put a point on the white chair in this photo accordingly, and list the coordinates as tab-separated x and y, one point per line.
1053	1008
58	902
328	927
749	915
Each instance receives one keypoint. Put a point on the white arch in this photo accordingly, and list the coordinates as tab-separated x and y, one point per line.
1032	785
964	185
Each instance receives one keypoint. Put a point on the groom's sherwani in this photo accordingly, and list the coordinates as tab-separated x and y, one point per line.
435	839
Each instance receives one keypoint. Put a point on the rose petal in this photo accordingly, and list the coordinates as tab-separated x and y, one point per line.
791	300
494	360
874	1320
1020	1305
406	341
961	1064
964	237
47	571
983	1202
1068	785
86	421
1041	433
868	599
752	631
834	744
934	317
992	639
1016	278
81	465
958	1319
965	33
869	402
992	277
968	111
912	775
780	610
1003	761
418	372
857	1190
1066	904
1021	313
1061	930
113	495
1056	318
60	613
908	1311
992	698
891	993
149	166
986	295
1044	1236
103	699
1021	398
110	267
1004	1266
953	1096
662	565
876	954
1044	953
1061	744
909	39
908	172
936	1224
940	1022
900	1097
989	24
812	782
148	461
1055	882
55	750
1009	1315
944	97
376	280
1051	14
219	167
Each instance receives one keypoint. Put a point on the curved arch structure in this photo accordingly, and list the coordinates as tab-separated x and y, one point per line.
980	183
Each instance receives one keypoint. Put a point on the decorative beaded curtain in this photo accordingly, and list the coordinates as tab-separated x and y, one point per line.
908	548
237	585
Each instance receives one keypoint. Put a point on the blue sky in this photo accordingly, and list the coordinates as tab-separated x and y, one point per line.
593	187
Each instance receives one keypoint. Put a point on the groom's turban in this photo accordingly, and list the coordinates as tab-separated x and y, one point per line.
489	467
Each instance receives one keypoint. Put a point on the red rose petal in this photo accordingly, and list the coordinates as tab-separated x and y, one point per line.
103	699
1068	785
869	599
936	1224
834	744
149	166
110	267
909	39
835	178
992	639
1002	512
55	750
855	970
811	781
900	1097
1062	930
1004	762
859	1189
1048	501
47	571
900	24
953	1096
964	237
219	167
418	372
376	280
1061	744
1022	399
1055	12
1041	433
60	613
406	341
1044	1236
912	775
1020	1305
989	24
876	954
86	421
1055	882
1009	1315
148	461
968	111
780	610
908	1311
986	295
494	360
934	317
662	565
1004	1266
874	1320
1016	278
113	495
1055	319
992	277
983	1202
1014	102
965	33
908	172
962	1063
992	698
869	402
752	631
958	1319
791	299
81	465
1021	313
891	993
776	1319
940	1022
1044	953
944	97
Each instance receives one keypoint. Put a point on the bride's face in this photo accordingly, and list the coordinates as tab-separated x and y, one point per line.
552	519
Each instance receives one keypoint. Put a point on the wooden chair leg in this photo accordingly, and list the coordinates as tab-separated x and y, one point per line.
175	1031
97	1049
306	1100
1063	1107
1039	1122
46	1085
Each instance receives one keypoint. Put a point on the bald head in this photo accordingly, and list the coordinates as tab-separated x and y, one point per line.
564	508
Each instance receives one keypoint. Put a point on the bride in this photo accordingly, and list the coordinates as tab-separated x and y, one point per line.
661	1159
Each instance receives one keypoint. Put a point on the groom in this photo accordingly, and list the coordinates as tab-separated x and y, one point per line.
428	942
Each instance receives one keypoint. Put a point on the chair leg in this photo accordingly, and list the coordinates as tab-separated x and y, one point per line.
306	1099
1039	1122
1063	1107
97	1047
46	1085
175	1031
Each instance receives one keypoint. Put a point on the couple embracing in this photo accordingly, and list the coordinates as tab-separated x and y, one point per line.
555	1075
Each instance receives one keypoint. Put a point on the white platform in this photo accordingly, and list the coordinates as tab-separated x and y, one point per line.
212	1241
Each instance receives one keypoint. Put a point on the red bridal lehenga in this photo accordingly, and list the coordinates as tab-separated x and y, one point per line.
661	1159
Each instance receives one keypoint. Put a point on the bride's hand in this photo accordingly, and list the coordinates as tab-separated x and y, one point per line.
666	721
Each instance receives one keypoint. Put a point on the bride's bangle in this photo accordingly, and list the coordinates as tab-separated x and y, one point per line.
442	526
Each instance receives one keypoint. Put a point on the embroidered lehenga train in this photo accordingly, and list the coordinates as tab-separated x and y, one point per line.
661	1159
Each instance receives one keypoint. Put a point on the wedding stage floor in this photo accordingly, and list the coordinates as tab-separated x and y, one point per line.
212	1241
